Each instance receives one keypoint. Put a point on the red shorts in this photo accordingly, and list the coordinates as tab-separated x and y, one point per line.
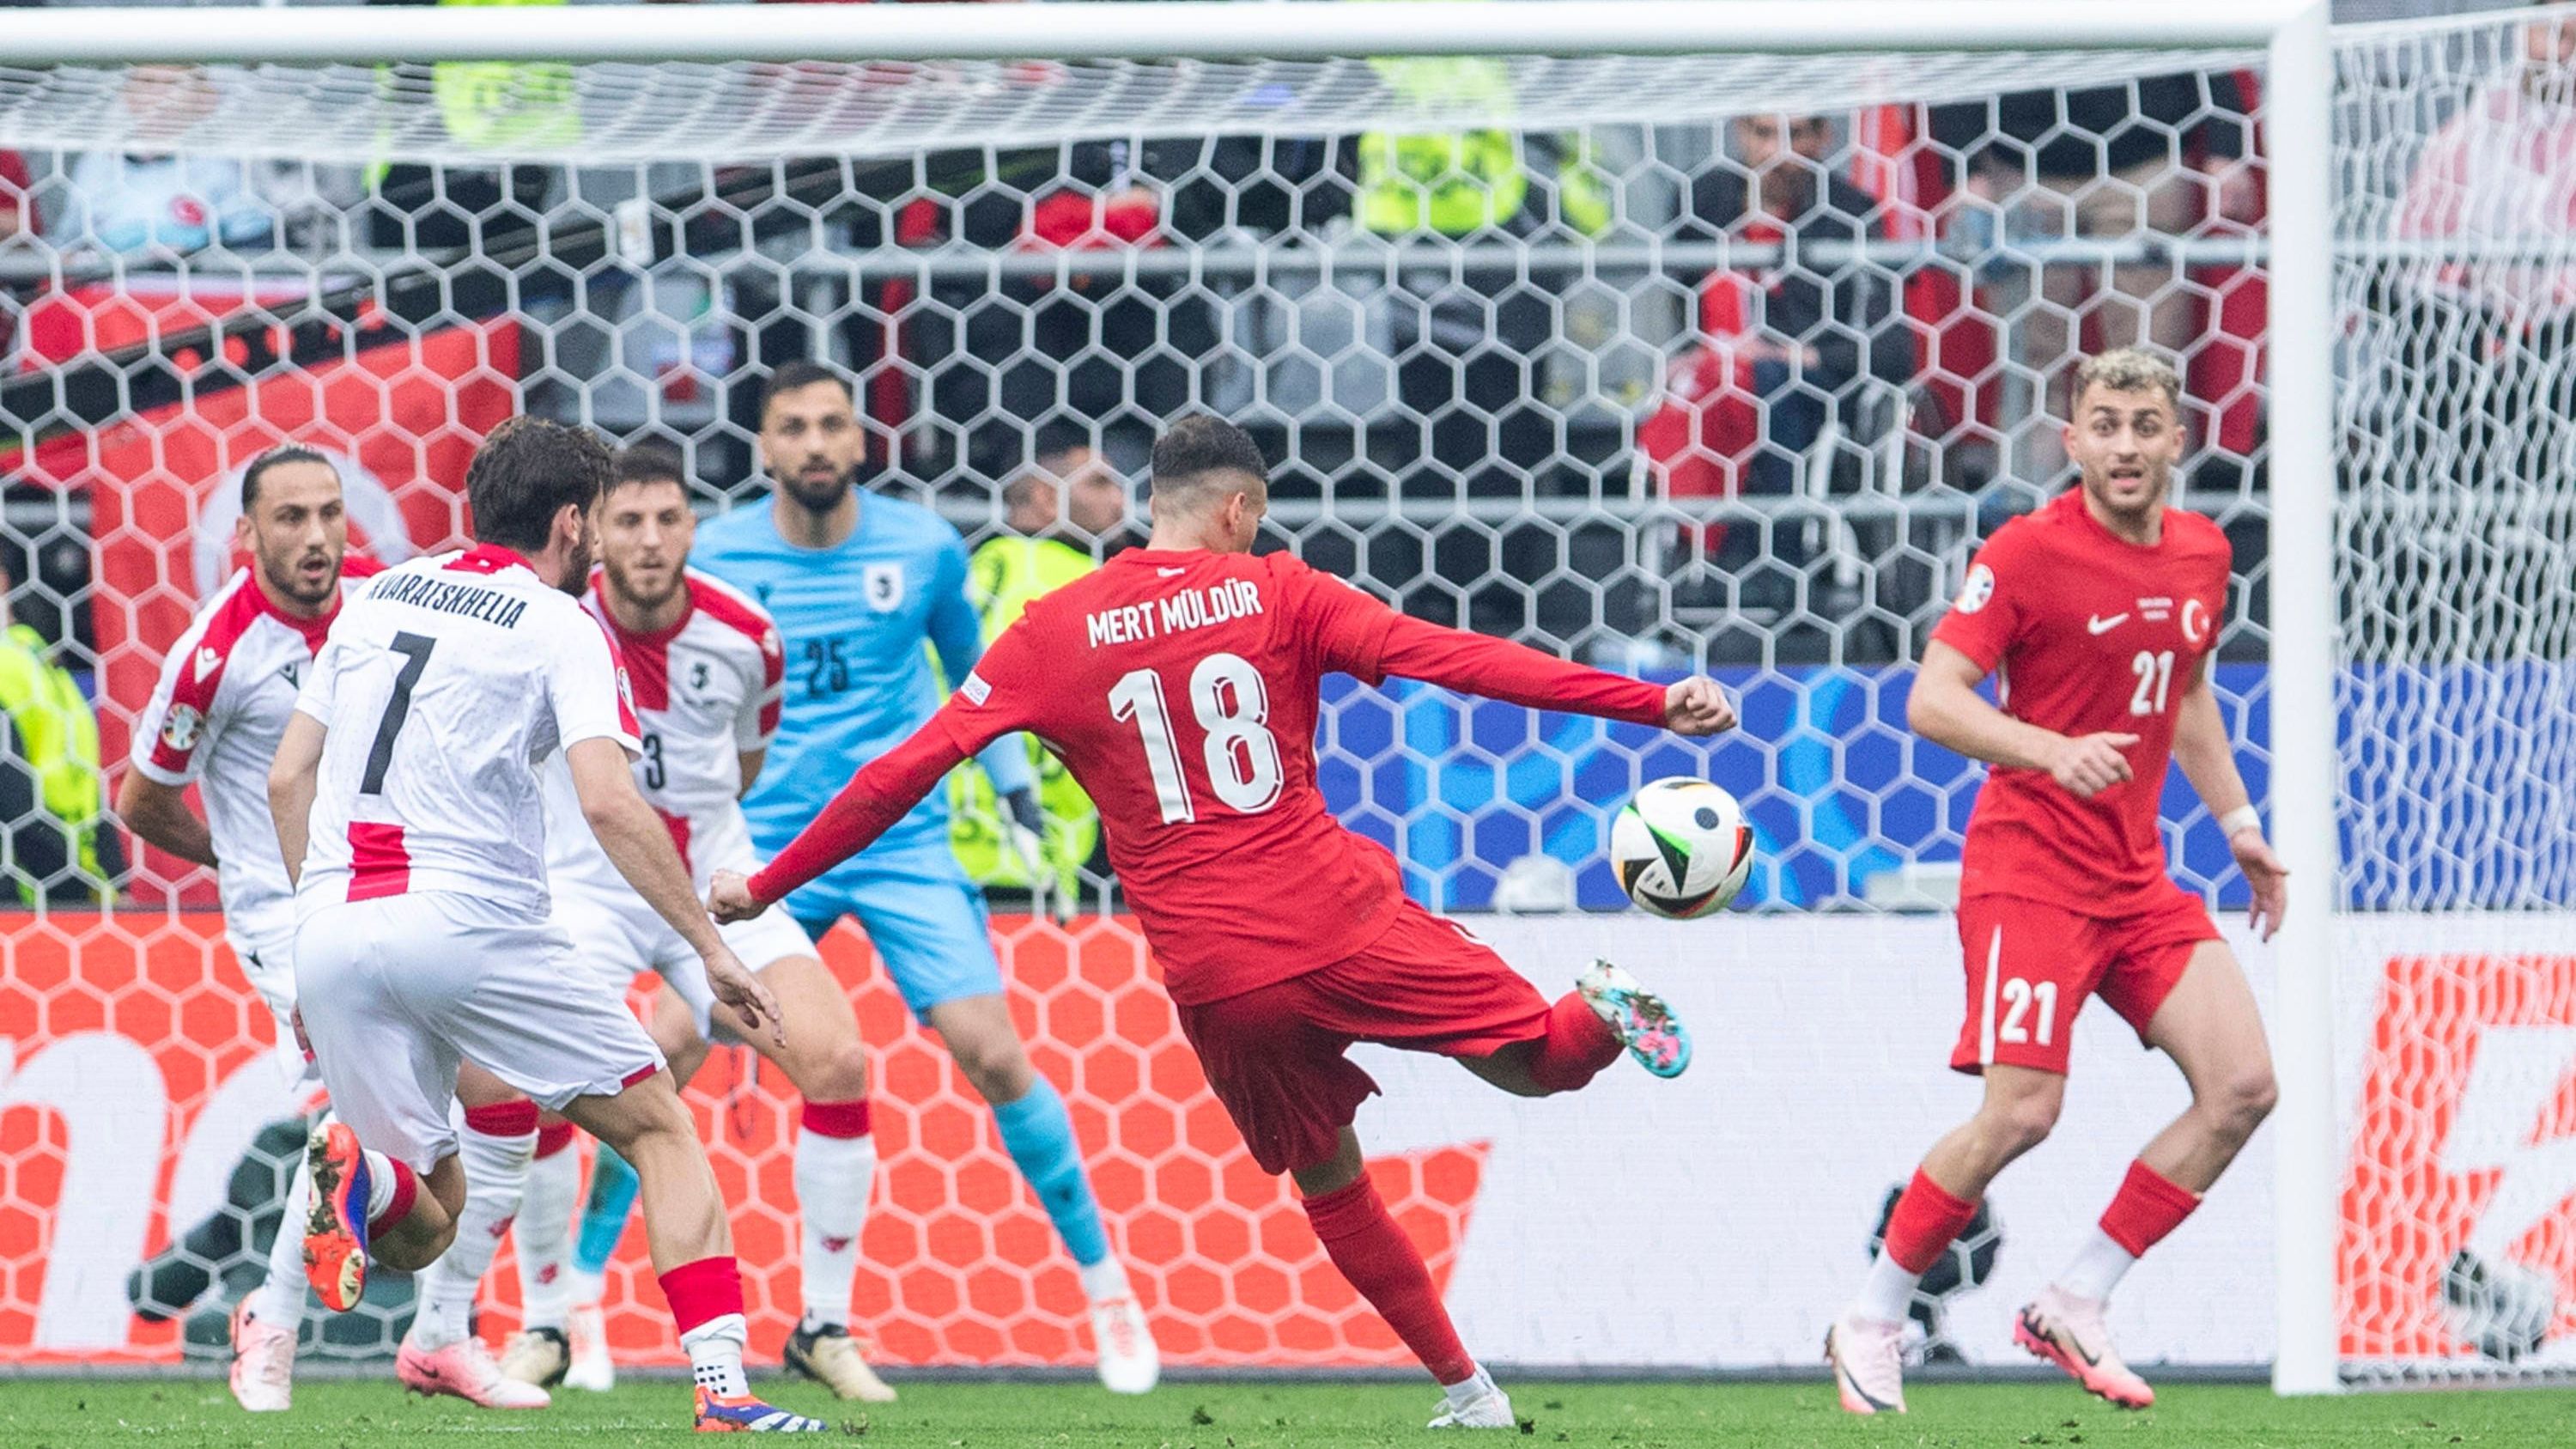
1274	1055
2031	964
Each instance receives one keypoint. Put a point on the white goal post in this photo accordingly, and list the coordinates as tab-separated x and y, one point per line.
320	62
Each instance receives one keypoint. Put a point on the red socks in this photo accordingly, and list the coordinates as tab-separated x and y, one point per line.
1577	1046
406	1192
1927	1218
700	1292
843	1120
2147	1206
1380	1261
553	1137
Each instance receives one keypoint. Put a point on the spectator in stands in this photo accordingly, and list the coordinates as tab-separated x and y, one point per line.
1799	333
167	204
2477	395
1468	344
2132	163
60	844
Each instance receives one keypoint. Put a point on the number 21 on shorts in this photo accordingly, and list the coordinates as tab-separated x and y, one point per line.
1232	705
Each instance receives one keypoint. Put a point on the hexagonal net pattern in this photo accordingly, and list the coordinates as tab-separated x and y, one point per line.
1538	348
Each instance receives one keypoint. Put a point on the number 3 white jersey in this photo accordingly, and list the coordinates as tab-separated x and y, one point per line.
446	683
706	692
225	692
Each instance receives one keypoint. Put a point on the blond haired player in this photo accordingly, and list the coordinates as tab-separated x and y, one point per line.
2098	615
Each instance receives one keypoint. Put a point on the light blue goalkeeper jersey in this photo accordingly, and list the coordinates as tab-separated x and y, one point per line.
853	619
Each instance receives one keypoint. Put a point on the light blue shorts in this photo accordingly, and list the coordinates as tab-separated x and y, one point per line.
925	919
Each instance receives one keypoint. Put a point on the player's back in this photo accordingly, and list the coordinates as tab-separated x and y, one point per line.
445	683
1181	689
852	618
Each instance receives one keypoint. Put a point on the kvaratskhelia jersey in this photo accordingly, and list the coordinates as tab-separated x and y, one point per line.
445	684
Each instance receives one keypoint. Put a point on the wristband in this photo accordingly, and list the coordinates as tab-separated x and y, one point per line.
2243	817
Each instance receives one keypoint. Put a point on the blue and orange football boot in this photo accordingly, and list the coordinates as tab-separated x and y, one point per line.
335	1234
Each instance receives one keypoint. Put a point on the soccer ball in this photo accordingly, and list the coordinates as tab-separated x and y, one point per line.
1681	848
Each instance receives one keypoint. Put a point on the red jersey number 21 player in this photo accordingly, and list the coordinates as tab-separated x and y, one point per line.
1178	683
2097	615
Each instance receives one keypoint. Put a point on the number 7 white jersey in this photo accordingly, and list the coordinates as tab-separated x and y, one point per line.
444	686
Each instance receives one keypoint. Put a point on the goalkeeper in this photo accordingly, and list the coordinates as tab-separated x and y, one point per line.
858	583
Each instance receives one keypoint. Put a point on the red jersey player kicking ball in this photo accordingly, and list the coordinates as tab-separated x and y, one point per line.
1179	684
2098	615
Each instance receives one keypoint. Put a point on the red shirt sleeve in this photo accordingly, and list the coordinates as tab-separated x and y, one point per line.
1992	602
1358	635
990	702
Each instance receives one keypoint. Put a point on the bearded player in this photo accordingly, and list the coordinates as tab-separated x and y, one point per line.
706	665
423	932
1179	684
2098	615
858	583
215	718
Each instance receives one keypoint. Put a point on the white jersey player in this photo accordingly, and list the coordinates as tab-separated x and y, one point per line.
226	689
706	667
706	693
408	807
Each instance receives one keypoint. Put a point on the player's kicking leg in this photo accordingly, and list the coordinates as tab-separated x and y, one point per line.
1274	1056
929	927
2209	1025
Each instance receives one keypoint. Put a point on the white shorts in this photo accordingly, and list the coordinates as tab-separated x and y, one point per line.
618	937
269	965
397	991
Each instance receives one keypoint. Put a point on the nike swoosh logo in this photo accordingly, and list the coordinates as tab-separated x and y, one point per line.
2062	1340
2099	625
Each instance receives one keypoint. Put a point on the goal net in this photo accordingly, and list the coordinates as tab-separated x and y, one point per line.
1662	356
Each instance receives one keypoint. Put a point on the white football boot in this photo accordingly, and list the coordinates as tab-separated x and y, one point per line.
1869	1364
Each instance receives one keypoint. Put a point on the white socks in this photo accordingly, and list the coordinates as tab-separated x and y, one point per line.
279	1300
589	1290
2097	1268
834	1176
1106	1280
1887	1294
380	1183
543	1236
715	1355
496	1171
1469	1389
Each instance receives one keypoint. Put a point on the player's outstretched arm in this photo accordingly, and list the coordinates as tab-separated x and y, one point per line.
160	816
1480	664
293	777
878	796
1946	709
2202	748
639	845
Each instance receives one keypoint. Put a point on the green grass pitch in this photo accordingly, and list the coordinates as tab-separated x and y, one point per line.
353	1414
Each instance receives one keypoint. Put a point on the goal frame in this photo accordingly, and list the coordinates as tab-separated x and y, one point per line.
2298	120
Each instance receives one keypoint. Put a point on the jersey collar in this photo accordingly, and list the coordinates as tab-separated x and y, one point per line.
659	637
489	558
314	630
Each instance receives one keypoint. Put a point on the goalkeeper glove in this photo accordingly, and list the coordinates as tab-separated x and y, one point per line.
1024	828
